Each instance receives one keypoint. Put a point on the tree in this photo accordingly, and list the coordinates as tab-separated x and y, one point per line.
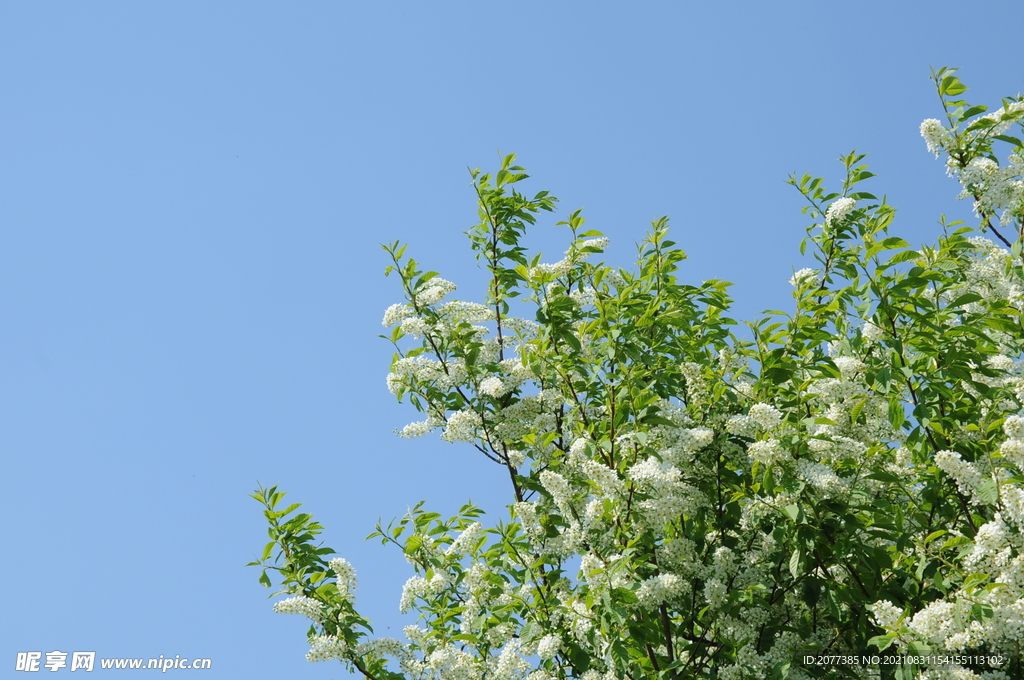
684	503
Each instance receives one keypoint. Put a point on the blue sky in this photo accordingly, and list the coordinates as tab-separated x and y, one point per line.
191	201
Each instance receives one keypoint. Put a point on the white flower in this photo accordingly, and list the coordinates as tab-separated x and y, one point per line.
653	471
934	622
871	333
515	458
934	135
415	634
414	588
742	426
417	429
300	604
346	574
415	326
849	367
434	290
1000	362
462	426
988	542
492	387
801	277
556	485
518	372
560	268
471	312
396	314
1013	426
966	476
510	664
716	592
839	210
606	479
1003	118
886	614
697	438
465	540
765	415
326	648
767	452
549	646
659	589
819	475
578	446
1013	451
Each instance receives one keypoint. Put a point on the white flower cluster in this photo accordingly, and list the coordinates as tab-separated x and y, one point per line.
462	426
821	476
802	276
511	664
556	485
418	587
765	416
346	574
415	326
1003	117
548	646
988	276
572	256
871	333
300	604
967	477
886	615
742	426
1013	451
411	370
326	648
659	589
466	539
434	290
935	135
990	545
768	452
396	314
759	418
445	662
654	472
935	622
849	367
470	312
994	188
492	386
839	210
417	429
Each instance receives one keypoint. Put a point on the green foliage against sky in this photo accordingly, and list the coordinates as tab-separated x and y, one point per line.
693	498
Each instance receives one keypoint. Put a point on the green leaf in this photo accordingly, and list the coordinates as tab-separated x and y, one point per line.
989	492
887	477
794	563
893	242
896	414
950	86
883	642
956	541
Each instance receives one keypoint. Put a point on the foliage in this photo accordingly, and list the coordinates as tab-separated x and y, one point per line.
689	501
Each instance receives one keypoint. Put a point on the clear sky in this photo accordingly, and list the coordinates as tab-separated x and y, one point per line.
192	195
